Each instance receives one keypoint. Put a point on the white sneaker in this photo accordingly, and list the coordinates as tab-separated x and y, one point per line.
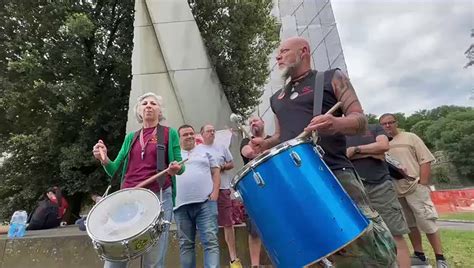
418	263
442	264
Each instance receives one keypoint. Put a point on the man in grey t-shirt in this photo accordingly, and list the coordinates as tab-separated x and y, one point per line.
197	190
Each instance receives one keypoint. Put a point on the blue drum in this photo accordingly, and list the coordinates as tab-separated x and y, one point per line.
300	210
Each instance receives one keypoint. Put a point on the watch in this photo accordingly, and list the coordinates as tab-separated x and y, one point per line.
357	150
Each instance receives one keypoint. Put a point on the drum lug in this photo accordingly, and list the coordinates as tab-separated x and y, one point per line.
237	196
99	248
319	150
296	158
162	225
258	179
125	244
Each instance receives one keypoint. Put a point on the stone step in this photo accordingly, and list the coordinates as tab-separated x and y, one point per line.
69	247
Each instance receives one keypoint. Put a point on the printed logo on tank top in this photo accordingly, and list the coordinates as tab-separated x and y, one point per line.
306	90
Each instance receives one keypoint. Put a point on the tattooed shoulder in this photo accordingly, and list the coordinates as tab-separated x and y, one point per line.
345	93
341	82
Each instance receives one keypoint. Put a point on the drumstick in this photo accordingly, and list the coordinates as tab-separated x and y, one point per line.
305	134
157	175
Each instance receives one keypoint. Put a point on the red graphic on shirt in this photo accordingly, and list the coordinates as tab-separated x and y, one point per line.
306	90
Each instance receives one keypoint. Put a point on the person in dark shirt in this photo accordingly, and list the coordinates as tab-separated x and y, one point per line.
257	127
367	154
49	211
293	108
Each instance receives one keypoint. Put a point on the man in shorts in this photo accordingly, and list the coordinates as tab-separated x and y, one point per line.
414	195
367	154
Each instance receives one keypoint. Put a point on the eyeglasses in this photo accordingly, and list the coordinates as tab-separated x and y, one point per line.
210	131
389	123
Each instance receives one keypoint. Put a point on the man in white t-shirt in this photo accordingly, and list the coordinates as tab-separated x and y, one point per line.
224	203
197	191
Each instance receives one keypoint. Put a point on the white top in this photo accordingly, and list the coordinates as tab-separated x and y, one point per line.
195	184
222	155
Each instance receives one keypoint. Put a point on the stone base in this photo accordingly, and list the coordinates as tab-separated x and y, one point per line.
69	247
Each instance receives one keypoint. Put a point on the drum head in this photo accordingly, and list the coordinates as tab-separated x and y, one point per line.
123	215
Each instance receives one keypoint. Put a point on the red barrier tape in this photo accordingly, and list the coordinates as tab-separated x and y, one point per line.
449	201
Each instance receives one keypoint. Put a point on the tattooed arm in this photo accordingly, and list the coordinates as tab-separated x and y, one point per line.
354	120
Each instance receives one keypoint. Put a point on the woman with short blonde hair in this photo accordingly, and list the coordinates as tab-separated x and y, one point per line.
140	156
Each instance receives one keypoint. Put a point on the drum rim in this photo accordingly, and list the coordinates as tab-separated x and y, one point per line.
94	238
265	156
138	253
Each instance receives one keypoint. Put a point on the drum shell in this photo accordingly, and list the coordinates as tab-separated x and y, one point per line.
131	247
301	211
137	246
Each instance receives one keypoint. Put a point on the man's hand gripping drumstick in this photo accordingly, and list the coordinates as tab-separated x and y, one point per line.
323	123
172	169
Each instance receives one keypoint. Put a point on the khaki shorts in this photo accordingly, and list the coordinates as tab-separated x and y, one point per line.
384	199
419	210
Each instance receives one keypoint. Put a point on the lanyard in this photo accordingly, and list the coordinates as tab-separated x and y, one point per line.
142	142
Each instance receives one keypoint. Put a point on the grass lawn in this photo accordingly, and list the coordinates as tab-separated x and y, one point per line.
456	246
465	216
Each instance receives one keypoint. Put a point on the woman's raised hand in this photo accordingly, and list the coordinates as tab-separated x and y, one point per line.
100	152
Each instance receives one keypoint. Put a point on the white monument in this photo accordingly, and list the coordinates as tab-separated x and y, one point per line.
169	58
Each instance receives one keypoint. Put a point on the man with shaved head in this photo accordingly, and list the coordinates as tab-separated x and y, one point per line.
257	128
293	108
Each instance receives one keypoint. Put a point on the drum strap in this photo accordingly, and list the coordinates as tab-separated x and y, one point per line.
318	93
160	148
161	153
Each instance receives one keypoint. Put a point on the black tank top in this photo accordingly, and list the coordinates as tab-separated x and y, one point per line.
293	106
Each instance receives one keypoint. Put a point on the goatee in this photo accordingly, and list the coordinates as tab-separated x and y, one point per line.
285	73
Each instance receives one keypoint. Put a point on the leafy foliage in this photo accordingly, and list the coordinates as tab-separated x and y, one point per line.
454	134
65	80
239	36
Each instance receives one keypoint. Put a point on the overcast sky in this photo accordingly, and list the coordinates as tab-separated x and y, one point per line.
404	56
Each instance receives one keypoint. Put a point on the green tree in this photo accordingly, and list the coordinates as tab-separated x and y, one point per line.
372	118
420	129
65	74
454	135
239	36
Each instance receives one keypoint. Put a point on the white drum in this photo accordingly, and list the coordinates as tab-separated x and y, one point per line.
125	224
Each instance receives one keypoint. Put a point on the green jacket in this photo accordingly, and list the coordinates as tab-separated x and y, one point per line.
174	154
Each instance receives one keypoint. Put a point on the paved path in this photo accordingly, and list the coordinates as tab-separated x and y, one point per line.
456	225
